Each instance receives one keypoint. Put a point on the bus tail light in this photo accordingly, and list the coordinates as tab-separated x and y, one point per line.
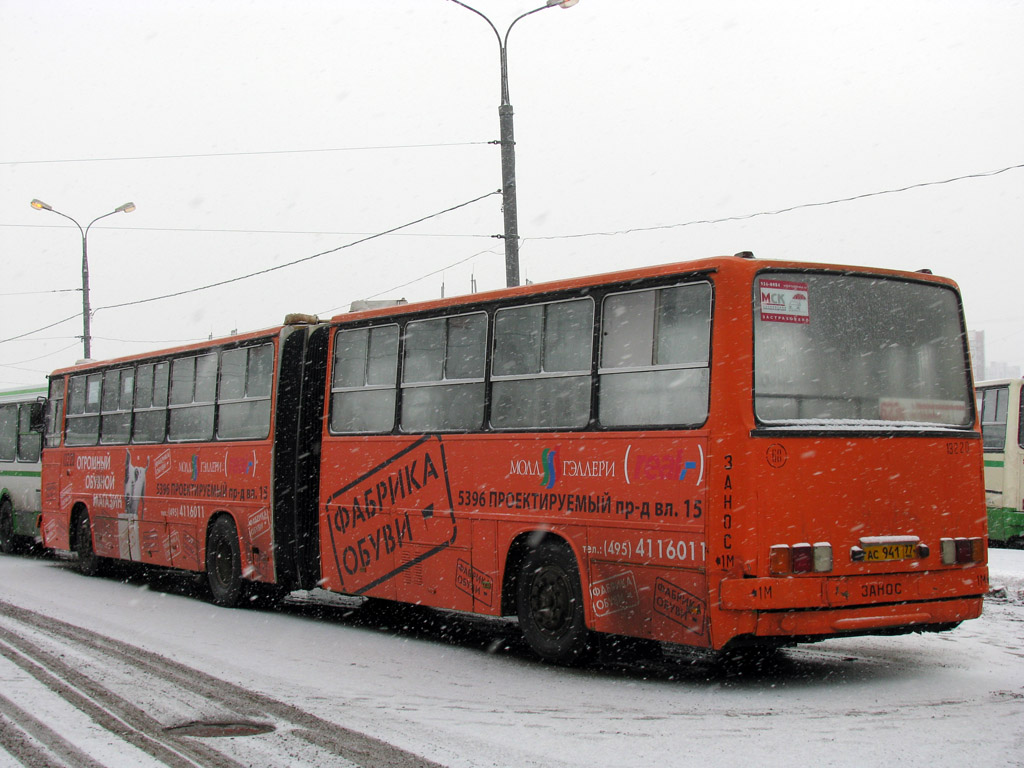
803	558
978	550
800	558
962	550
779	560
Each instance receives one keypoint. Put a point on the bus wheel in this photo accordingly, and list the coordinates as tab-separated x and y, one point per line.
549	602
89	563
224	563
8	544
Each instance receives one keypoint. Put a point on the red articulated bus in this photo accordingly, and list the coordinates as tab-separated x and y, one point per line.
717	454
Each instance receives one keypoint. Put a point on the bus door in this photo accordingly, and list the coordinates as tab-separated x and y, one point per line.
1000	490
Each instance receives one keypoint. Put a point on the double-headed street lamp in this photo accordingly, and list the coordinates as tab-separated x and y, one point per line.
508	151
39	205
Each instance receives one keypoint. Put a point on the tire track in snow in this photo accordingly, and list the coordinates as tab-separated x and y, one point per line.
116	714
297	736
21	728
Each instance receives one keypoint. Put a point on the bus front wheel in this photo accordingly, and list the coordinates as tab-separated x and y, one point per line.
224	563
549	603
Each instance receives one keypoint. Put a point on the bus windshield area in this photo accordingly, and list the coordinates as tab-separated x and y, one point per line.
838	350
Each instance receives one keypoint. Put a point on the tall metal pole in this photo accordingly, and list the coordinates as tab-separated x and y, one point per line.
86	310
508	144
509	206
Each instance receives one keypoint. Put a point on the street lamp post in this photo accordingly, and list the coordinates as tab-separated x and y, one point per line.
508	151
39	205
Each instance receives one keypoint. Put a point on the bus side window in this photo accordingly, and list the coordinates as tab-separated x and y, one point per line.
8	432
993	418
540	373
116	406
55	413
193	389
363	380
443	374
30	442
83	418
655	355
150	425
244	399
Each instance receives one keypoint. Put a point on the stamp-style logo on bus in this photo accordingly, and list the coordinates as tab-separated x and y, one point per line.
259	525
474	582
404	502
162	463
615	594
678	605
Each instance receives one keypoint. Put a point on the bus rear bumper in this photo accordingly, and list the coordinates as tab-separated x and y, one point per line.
843	605
868	619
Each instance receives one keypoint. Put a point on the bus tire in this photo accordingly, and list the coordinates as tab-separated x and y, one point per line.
549	603
8	541
224	563
89	563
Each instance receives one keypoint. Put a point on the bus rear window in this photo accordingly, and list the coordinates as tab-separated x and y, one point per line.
846	350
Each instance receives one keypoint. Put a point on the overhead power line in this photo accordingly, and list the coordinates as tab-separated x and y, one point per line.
45	327
246	231
742	217
410	282
262	271
41	357
630	230
801	206
299	261
37	293
243	154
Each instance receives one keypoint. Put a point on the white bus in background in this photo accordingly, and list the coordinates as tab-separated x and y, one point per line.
19	469
1002	429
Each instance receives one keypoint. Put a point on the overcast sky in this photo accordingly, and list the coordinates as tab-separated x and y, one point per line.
253	134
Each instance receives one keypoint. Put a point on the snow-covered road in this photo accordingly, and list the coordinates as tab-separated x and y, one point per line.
126	663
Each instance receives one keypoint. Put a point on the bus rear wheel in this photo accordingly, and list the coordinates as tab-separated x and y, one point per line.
224	563
89	563
549	602
8	541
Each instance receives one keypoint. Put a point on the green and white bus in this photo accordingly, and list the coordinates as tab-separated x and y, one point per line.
20	469
1002	429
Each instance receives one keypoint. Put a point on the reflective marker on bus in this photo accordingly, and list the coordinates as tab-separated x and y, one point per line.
716	454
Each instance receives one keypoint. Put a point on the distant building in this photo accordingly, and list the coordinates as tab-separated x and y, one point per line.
997	370
983	369
976	343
